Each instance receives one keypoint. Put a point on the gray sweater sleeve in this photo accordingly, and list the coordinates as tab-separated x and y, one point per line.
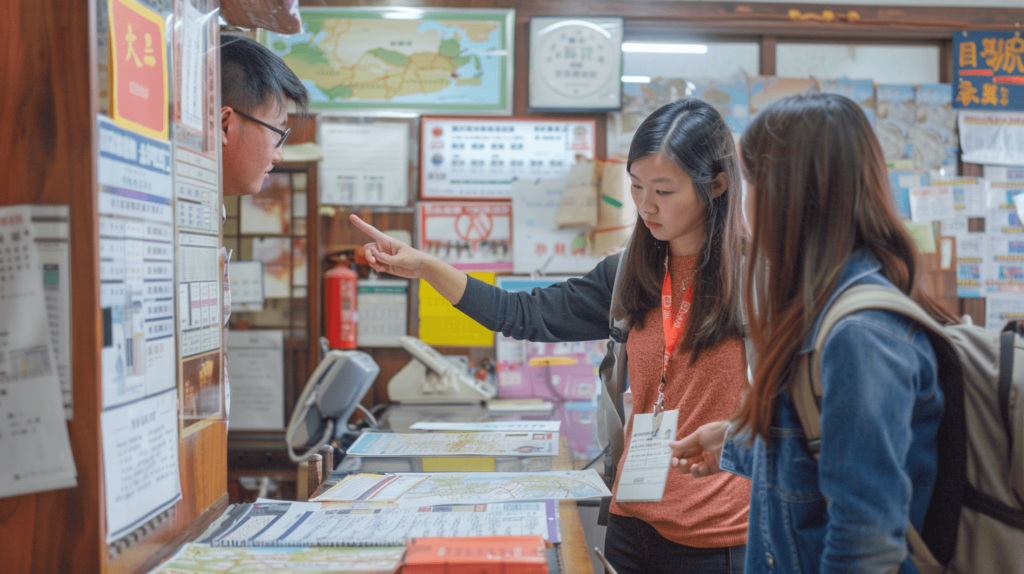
574	310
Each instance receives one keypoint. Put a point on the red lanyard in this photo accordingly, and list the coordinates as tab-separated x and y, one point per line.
673	328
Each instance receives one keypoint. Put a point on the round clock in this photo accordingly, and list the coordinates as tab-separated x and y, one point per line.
576	58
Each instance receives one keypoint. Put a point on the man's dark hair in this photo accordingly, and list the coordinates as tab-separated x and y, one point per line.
251	76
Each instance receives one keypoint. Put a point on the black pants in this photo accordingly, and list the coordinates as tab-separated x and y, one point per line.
634	547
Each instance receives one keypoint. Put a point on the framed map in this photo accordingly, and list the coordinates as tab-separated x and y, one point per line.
410	59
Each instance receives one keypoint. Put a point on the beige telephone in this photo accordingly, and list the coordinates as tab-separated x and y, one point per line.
430	377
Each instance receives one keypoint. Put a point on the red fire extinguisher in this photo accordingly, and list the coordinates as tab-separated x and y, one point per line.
342	316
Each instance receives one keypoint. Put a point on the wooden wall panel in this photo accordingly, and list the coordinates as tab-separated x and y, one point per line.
47	122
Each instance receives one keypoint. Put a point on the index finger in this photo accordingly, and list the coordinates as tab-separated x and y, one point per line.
369	229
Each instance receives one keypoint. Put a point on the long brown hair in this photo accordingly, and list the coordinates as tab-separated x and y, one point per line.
820	193
692	134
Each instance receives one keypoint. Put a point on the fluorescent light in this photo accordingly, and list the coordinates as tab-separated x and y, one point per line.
403	13
653	48
636	79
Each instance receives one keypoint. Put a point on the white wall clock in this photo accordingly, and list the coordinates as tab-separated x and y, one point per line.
575	63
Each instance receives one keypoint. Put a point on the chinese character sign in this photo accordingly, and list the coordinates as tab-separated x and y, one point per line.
138	66
988	71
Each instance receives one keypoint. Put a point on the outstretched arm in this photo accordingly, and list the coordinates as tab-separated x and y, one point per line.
389	255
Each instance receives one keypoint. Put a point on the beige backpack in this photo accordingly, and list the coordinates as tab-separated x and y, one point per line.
975	521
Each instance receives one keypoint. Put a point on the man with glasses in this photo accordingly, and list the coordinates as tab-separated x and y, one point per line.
256	86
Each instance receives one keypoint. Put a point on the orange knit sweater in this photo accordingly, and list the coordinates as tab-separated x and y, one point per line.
700	512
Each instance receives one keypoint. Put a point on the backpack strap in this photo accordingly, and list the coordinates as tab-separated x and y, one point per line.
806	391
610	431
1006	342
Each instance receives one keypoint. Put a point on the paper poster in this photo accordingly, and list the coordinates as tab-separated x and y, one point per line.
420	490
539	245
971	257
373	444
931	203
50	227
196	69
247	285
275	253
268	212
923	235
1003	173
578	204
895	115
199	296
205	559
297	524
992	137
1001	308
193	50
257	376
201	392
901	182
138	66
969	195
469	236
616	212
555	371
383	312
443	325
136	265
140	462
933	135
1001	216
480	158
364	164
34	443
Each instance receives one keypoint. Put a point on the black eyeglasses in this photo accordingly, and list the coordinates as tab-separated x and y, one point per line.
284	134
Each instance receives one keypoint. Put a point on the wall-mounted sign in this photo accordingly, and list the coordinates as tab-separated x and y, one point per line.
138	64
988	71
479	158
575	63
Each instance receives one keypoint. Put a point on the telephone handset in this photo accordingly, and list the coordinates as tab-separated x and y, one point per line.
432	378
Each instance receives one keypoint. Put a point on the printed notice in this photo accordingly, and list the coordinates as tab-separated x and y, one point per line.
34	444
646	468
257	366
50	226
136	265
364	164
476	158
140	462
139	419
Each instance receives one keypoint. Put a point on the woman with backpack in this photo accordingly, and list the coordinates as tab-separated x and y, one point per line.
684	251
823	222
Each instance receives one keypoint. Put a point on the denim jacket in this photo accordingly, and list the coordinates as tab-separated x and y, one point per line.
881	410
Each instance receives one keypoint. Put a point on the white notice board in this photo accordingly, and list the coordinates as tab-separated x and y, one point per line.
479	158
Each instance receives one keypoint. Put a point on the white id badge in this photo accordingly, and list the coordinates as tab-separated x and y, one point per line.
647	461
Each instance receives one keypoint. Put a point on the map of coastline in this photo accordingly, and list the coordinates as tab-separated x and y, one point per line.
413	62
